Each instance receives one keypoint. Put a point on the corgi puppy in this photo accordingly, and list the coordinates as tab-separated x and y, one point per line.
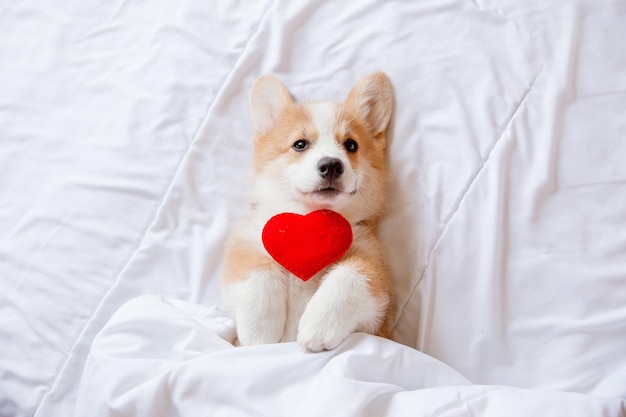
310	156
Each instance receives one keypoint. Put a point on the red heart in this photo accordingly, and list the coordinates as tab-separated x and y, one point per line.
305	245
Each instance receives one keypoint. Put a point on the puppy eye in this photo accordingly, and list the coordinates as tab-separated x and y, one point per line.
300	145
351	145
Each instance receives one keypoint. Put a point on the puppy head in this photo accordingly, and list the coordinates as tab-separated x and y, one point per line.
316	155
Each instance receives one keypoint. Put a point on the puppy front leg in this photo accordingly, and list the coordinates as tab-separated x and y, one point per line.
342	304
259	306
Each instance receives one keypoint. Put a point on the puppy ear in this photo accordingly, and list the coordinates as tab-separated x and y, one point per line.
268	100
371	100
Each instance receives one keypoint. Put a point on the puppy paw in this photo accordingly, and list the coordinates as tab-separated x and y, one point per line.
316	335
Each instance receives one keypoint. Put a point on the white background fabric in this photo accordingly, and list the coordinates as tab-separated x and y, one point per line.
125	153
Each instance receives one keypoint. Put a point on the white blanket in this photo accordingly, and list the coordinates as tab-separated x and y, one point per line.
125	147
159	357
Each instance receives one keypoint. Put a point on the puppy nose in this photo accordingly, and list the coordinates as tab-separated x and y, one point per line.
330	167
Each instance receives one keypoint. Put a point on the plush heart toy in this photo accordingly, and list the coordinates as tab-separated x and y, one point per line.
305	245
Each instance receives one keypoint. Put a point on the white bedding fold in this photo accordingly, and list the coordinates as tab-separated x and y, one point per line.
159	357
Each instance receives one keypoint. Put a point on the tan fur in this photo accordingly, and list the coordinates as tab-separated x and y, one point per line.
295	123
369	258
241	259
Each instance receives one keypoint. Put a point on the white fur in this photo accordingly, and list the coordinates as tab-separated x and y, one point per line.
259	307
341	305
268	305
298	295
272	307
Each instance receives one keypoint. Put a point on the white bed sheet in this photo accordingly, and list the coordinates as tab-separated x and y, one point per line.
125	147
159	357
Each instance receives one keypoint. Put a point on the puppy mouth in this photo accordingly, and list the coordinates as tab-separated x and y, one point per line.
328	192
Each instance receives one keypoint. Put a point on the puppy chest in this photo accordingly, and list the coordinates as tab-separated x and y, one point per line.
298	295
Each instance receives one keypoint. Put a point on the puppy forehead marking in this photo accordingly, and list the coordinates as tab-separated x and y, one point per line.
324	117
